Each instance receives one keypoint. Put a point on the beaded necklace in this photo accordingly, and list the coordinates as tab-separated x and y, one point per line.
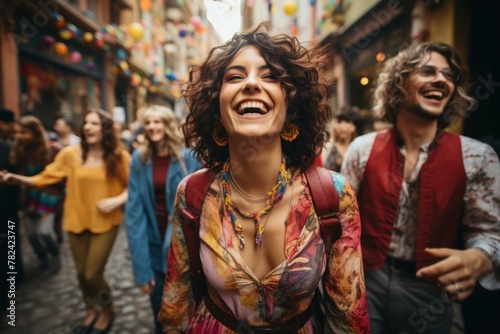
273	196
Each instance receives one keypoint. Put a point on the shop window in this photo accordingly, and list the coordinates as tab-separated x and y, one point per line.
49	92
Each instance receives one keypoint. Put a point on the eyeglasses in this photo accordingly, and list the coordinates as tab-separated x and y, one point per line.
429	71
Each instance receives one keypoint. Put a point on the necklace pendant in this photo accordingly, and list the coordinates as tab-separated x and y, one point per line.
242	241
258	240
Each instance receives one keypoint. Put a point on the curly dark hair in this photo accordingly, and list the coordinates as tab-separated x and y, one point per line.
111	146
299	71
390	89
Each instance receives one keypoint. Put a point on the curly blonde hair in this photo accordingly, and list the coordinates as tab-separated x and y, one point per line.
390	89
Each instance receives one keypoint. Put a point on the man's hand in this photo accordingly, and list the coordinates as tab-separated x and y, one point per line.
457	272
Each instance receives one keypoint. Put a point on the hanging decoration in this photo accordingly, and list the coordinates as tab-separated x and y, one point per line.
170	75
75	57
90	65
145	5
195	20
61	49
136	30
88	37
48	41
60	21
290	7
65	34
135	79
182	31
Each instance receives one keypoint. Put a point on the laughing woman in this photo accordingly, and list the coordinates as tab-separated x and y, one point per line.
96	188
257	106
155	172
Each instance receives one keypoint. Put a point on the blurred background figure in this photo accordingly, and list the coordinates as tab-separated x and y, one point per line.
64	128
97	175
9	199
138	140
156	169
31	152
119	120
346	126
6	125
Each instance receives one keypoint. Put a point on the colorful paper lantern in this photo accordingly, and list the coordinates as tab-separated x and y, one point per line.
60	22
136	30
135	79
88	37
121	54
75	57
201	30
90	65
290	7
123	65
66	34
48	41
182	32
195	21
61	49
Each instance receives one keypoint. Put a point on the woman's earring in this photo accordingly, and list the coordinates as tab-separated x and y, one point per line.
290	131
219	135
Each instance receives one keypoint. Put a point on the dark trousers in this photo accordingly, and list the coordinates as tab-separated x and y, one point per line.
399	302
481	311
155	298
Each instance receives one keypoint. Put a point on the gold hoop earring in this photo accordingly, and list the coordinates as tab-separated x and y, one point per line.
290	131
219	135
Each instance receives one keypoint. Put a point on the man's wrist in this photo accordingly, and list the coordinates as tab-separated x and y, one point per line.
488	257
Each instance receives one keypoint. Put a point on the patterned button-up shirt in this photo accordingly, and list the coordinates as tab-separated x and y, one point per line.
481	218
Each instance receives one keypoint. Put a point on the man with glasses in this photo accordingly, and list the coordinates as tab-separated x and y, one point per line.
429	200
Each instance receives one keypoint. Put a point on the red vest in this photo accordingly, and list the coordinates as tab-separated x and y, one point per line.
442	187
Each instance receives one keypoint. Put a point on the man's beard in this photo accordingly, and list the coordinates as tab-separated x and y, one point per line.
418	111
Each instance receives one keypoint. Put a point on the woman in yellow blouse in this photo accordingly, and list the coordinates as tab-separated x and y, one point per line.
97	174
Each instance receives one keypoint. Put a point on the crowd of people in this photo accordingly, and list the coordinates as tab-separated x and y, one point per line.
416	207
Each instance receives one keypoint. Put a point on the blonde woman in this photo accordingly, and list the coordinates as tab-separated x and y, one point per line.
156	169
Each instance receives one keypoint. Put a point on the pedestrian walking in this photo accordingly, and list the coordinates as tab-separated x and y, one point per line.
429	199
156	169
346	126
97	175
9	215
31	152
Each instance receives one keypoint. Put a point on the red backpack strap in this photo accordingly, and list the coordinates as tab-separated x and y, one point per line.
326	203
196	190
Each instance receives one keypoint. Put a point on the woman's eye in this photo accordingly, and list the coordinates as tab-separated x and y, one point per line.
270	76
234	77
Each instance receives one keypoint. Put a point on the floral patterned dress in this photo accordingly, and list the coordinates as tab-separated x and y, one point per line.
283	293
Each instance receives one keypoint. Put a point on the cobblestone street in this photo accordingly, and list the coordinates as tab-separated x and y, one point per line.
52	304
